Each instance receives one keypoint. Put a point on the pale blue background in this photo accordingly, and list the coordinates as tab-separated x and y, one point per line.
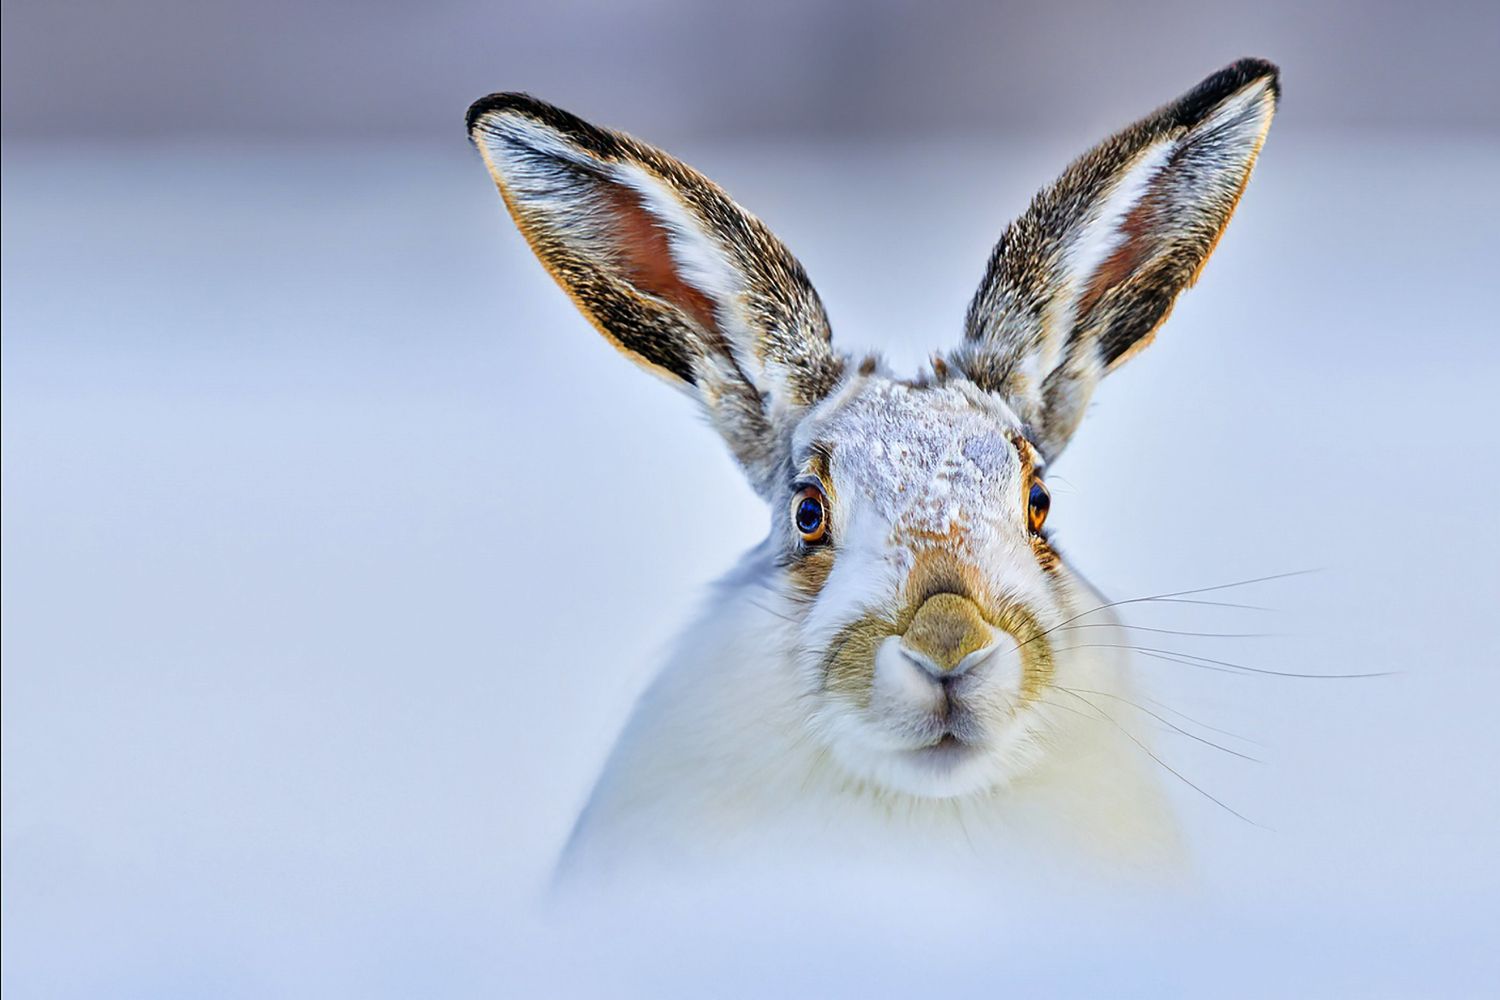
310	474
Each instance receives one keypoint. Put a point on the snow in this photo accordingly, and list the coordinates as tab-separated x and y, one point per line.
319	502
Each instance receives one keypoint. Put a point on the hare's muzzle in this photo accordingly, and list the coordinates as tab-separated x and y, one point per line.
948	635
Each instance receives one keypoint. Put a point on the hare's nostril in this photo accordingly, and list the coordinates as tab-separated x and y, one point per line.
950	675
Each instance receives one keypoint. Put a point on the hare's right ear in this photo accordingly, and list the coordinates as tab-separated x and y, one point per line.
1082	280
668	268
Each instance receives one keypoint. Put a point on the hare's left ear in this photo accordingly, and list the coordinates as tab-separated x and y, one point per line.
672	272
1082	280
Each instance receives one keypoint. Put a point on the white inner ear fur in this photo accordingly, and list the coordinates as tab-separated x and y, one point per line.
524	152
1099	237
1224	142
525	156
1244	119
700	262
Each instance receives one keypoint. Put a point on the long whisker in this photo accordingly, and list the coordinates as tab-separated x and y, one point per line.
1065	708
1229	586
1164	721
1161	656
1224	666
1206	604
1164	597
1171	770
1265	670
1201	724
1173	631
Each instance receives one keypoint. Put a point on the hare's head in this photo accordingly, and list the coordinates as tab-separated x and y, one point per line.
908	516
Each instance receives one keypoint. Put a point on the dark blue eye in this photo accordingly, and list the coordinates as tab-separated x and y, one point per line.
1038	503
809	515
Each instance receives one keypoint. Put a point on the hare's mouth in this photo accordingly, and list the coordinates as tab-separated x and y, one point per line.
945	745
941	767
945	751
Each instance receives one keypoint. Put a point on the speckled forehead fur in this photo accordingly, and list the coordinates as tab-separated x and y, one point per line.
938	462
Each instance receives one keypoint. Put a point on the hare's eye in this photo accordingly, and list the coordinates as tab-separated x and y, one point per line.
1038	502
810	514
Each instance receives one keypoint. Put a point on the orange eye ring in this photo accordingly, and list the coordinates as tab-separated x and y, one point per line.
810	514
1038	503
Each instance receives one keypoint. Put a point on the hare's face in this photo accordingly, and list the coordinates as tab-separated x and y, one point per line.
908	515
926	585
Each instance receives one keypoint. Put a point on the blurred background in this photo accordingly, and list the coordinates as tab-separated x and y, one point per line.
285	525
158	69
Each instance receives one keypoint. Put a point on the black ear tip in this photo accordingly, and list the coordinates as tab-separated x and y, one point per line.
1198	103
508	101
513	104
1251	70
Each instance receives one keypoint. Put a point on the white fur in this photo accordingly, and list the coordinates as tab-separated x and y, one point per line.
1239	124
527	155
738	748
717	761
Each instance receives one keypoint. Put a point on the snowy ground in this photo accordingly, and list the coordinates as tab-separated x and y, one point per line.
303	452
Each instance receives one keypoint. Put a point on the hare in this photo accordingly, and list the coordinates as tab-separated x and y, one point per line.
883	671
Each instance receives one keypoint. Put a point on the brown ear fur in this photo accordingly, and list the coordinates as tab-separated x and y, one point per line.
1040	332
666	266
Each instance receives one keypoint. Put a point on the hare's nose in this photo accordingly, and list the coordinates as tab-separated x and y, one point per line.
947	635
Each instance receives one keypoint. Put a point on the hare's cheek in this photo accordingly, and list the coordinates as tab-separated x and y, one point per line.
809	571
849	664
